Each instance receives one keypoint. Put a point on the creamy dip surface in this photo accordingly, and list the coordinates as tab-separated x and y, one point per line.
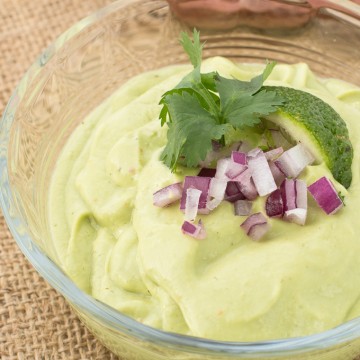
118	247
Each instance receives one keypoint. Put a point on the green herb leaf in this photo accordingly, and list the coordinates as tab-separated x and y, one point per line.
191	131
204	107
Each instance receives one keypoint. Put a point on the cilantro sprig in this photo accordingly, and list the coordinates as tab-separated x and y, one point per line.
205	107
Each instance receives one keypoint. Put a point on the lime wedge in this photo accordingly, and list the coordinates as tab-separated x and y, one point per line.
312	122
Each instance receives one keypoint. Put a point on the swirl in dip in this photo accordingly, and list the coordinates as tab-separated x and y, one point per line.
118	247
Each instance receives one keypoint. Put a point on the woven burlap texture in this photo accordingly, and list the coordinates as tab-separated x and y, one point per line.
35	321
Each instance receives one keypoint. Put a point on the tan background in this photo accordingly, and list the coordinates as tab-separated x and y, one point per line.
35	321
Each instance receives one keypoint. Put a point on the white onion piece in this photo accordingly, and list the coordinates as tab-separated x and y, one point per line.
195	231
200	183
213	204
222	167
167	195
192	203
293	161
274	153
297	216
238	157
301	194
260	172
234	170
274	205
246	185
255	226
217	188
277	174
242	207
325	194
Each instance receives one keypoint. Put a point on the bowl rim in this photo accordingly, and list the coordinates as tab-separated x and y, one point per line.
112	318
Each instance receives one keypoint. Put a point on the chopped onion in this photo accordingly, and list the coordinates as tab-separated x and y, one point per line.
234	169
192	203
246	185
168	195
260	172
293	161
196	231
325	194
200	183
297	216
213	204
239	157
255	226
274	205
301	194
217	188
288	194
274	153
221	168
242	207
207	172
233	192
277	174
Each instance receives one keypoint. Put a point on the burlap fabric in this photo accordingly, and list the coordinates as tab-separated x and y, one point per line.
35	321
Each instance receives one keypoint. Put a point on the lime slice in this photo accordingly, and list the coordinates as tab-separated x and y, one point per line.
314	123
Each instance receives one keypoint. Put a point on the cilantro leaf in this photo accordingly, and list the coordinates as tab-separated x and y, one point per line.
191	131
192	48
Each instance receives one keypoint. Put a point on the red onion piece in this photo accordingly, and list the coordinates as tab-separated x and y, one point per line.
274	153
277	174
301	194
233	192
239	157
221	168
274	204
195	231
217	188
293	161
200	183
325	194
192	203
260	172
246	185
288	194
167	195
213	204
297	216
242	207
255	226
233	170
207	172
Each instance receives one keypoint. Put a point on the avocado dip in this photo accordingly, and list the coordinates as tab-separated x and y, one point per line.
119	248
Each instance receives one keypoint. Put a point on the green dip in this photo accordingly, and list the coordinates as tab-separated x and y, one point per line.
118	247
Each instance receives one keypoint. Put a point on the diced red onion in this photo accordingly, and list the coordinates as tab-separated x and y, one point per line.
195	231
233	192
221	168
207	172
274	204
246	185
274	153
301	194
192	203
325	194
255	226
297	216
288	194
293	161
200	183
217	188
239	157
260	172
234	170
277	174
242	207
213	204
167	195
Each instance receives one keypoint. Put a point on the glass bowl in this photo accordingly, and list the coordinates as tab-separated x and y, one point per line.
87	64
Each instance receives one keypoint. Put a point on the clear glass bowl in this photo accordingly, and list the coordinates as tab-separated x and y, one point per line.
88	63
